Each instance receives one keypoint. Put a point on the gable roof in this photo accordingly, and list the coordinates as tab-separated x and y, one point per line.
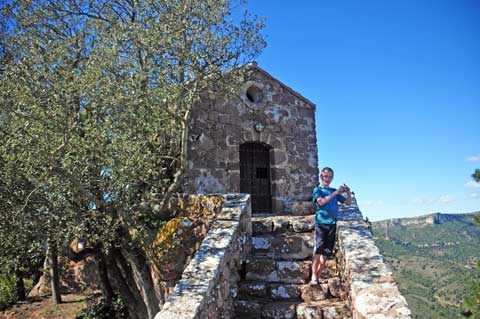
254	66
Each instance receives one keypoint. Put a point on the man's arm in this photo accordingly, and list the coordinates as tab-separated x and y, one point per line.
323	200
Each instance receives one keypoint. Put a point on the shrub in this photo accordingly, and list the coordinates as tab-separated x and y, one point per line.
99	309
7	290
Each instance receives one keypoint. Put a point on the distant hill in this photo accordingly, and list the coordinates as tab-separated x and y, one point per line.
436	218
433	258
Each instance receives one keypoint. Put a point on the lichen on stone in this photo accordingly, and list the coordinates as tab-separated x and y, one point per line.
177	240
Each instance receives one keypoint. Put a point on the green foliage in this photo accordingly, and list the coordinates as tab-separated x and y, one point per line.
433	264
476	219
96	98
369	225
99	309
472	302
476	175
7	290
23	223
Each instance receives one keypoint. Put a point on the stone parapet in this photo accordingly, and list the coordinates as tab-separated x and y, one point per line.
373	292
207	283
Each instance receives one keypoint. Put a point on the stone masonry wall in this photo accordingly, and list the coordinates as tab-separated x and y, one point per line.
176	241
211	279
266	111
205	290
373	292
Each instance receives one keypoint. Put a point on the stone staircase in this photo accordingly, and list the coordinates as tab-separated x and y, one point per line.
275	276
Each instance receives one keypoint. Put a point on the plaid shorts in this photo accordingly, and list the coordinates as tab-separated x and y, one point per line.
324	239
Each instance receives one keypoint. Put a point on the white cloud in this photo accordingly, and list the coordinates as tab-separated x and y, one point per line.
365	203
475	195
424	200
370	203
472	184
474	158
446	199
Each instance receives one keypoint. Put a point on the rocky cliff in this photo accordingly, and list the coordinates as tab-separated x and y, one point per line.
430	219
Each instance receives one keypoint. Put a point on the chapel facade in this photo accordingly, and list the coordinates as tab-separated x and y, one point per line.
261	141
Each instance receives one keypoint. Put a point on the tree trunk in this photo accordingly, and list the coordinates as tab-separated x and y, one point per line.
151	294
54	276
107	289
142	275
20	287
183	161
122	280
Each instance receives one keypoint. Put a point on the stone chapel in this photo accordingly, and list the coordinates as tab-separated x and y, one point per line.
261	142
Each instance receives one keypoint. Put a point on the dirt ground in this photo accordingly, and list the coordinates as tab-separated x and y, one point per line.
43	308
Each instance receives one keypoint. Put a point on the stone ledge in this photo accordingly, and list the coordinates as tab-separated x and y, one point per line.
373	292
204	290
295	246
275	224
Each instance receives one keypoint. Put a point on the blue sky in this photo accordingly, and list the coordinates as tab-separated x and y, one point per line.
397	89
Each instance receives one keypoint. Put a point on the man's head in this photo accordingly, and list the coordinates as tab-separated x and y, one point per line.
326	175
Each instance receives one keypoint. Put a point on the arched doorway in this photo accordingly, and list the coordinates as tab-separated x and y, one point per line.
255	175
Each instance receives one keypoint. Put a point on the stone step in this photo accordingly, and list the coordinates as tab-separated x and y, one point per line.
267	270
263	269
274	224
248	309
283	246
298	209
327	288
326	309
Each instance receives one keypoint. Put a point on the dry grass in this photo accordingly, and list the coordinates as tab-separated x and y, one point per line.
43	308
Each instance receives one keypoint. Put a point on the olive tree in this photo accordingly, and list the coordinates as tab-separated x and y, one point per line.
96	98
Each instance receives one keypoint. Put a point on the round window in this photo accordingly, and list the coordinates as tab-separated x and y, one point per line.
254	94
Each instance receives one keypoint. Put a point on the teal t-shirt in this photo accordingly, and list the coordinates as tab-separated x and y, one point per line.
326	214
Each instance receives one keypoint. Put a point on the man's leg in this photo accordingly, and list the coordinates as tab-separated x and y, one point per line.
317	266
318	242
323	262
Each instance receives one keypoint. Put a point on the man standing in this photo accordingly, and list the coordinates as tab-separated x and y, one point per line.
326	201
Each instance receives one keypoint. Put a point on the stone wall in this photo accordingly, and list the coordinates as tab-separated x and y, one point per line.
264	111
175	242
211	279
369	282
206	285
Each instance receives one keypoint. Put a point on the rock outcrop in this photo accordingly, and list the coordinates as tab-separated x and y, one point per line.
431	219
